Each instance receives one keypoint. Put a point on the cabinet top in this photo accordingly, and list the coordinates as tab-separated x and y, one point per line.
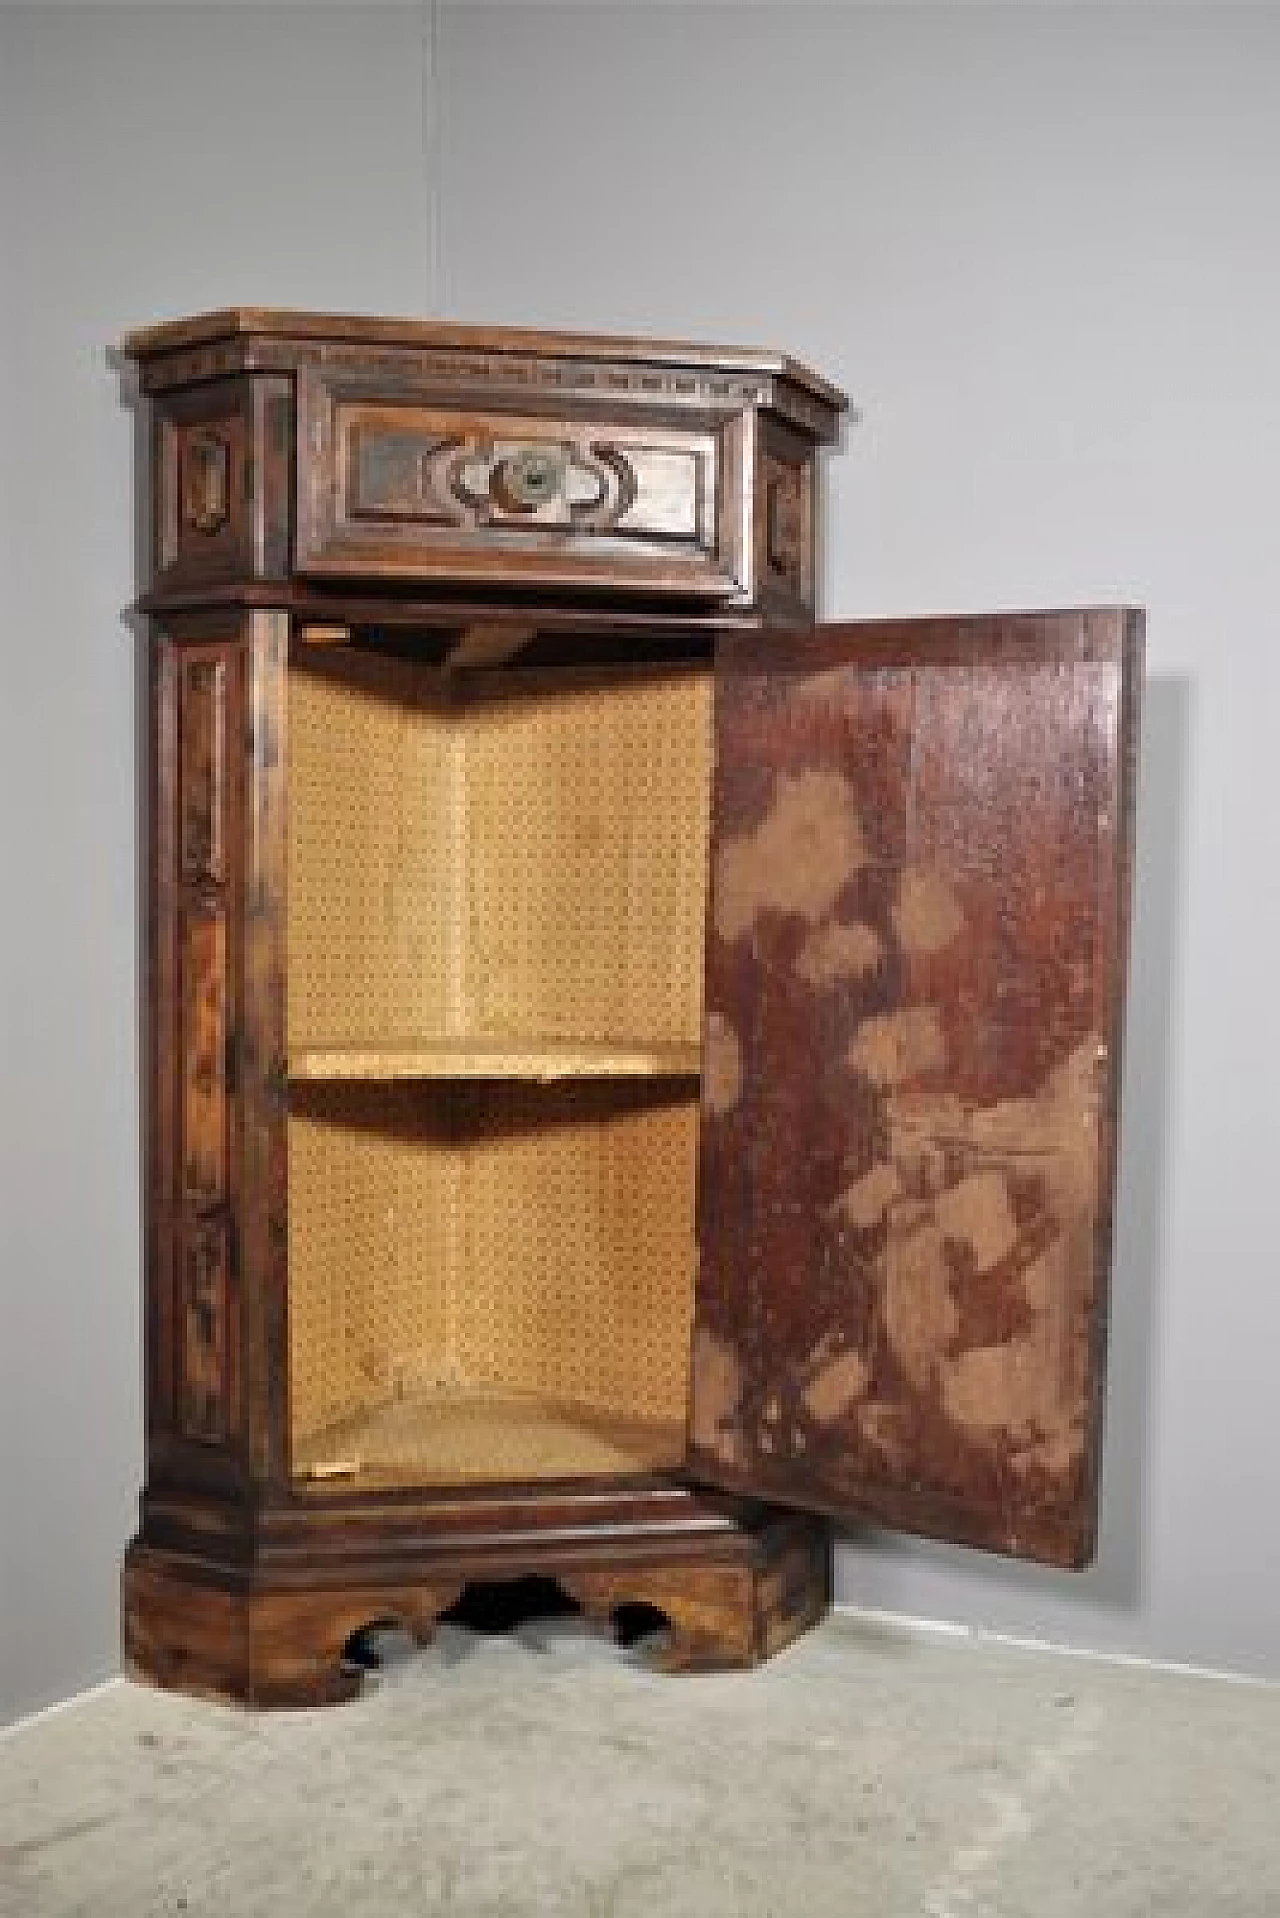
242	323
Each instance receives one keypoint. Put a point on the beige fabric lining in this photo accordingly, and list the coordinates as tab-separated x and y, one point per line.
495	964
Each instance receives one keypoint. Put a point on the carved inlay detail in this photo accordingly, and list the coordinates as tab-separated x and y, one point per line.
424	474
206	481
493	372
203	753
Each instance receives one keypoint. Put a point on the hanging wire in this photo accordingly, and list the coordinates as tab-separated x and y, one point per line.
433	155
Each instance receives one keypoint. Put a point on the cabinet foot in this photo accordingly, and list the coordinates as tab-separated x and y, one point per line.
261	1648
718	1618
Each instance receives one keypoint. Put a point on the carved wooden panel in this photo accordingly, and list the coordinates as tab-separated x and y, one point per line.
400	487
785	480
205	1113
204	469
223	483
526	476
391	475
273	434
195	1333
786	521
204	459
204	768
920	857
206	1345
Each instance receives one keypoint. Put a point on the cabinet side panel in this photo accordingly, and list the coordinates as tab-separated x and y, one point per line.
373	906
193	1310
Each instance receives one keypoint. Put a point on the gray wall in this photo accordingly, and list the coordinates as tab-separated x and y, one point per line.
1039	249
163	161
1038	246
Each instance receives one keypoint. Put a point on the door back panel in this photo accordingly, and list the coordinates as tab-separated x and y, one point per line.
920	855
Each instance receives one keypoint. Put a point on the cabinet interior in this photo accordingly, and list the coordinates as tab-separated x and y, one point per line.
494	987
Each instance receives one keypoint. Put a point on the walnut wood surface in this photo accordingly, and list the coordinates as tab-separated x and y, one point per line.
921	851
246	1582
731	1594
396	484
360	329
193	1318
476	459
679	472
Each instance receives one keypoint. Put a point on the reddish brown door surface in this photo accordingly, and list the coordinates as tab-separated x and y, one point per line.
920	852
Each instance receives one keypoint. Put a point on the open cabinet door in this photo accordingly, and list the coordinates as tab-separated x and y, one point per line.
921	844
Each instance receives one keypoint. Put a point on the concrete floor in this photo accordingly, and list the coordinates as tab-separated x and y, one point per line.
864	1772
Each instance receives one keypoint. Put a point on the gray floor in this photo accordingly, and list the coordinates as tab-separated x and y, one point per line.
863	1772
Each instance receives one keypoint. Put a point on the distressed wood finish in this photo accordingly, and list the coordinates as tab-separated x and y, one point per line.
223	479
251	1648
194	1333
397	487
488	358
476	496
339	449
921	849
215	1288
262	1070
908	1063
733	1585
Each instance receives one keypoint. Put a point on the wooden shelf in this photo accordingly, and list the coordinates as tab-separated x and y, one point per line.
463	1436
535	1059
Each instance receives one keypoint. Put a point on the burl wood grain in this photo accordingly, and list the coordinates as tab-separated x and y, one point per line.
920	862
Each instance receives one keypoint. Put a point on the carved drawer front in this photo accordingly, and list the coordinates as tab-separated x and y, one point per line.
394	487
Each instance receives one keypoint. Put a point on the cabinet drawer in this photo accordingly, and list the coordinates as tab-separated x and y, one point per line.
397	486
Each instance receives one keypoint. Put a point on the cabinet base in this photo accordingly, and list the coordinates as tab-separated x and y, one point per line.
730	1599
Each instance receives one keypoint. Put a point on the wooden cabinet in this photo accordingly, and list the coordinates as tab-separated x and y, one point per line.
631	1071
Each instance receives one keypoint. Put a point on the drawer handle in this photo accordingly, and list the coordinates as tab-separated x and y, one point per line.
524	481
546	484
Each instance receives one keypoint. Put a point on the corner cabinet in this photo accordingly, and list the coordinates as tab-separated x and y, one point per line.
632	1071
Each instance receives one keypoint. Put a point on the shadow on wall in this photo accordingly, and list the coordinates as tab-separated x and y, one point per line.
1117	1579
